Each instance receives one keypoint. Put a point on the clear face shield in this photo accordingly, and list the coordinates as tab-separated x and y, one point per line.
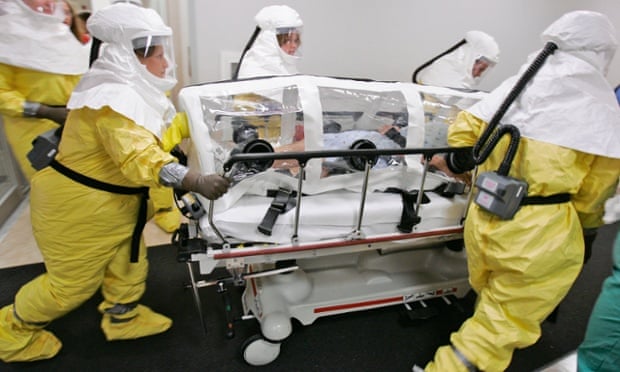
156	54
482	65
607	55
289	40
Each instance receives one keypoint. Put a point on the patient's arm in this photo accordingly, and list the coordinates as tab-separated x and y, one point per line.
298	146
289	163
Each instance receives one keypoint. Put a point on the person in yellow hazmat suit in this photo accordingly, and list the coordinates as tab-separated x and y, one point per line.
569	123
166	214
40	64
89	207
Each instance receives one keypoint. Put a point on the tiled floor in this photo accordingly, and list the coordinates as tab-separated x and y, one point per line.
18	247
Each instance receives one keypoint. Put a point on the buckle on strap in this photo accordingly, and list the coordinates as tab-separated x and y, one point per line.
136	235
409	216
283	201
449	189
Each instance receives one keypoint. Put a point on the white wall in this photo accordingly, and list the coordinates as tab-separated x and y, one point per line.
387	39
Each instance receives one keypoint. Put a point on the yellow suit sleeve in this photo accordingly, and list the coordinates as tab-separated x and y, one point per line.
134	149
11	100
598	186
176	132
465	130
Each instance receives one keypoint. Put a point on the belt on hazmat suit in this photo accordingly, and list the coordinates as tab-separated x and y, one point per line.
544	200
99	185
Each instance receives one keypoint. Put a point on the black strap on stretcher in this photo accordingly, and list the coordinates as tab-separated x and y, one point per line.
283	201
409	217
449	189
99	185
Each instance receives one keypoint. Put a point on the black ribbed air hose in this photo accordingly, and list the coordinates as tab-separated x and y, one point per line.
483	147
414	77
245	50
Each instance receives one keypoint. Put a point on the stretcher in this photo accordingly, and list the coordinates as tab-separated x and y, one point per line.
332	208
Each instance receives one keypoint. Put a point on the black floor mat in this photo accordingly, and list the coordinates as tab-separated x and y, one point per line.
377	340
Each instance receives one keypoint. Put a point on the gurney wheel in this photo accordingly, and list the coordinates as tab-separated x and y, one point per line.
257	351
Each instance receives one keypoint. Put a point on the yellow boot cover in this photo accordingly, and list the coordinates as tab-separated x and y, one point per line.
139	322
21	342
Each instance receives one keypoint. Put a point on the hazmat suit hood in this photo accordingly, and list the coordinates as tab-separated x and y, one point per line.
454	70
39	41
569	94
134	2
265	57
117	78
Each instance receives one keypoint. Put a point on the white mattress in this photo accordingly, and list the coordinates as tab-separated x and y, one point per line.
332	215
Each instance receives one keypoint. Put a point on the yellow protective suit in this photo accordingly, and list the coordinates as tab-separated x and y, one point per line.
176	132
166	214
522	268
18	85
84	234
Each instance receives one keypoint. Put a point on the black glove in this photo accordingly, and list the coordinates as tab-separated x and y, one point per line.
395	136
211	186
460	161
54	113
588	238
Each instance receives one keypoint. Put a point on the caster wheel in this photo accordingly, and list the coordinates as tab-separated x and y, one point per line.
257	351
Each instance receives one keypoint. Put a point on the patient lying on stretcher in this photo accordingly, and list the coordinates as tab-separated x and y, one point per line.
386	137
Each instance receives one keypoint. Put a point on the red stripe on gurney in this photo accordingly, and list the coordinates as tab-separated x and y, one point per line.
254	289
357	304
258	251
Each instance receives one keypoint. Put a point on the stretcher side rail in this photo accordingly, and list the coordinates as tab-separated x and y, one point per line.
303	156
